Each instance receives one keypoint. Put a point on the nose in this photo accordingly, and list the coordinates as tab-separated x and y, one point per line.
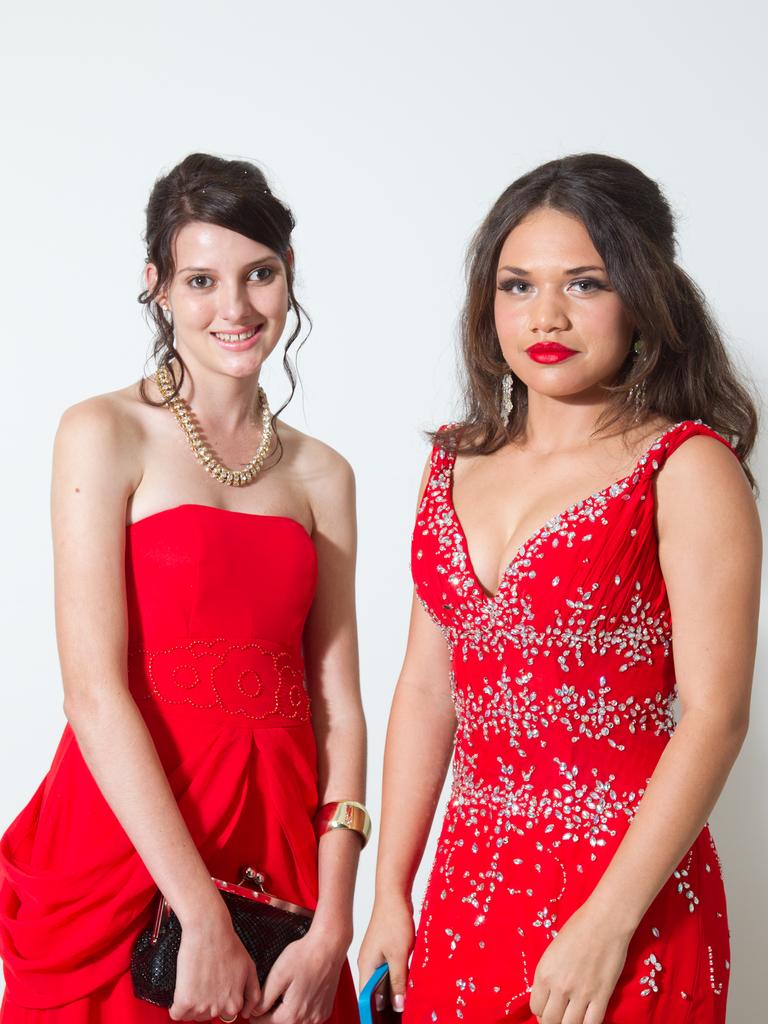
546	312
234	302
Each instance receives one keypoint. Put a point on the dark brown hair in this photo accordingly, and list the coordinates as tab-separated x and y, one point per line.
684	364
233	194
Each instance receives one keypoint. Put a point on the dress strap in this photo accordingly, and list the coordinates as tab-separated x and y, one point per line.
668	442
441	462
442	458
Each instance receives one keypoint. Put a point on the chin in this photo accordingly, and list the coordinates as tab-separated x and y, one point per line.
244	363
241	368
561	384
555	385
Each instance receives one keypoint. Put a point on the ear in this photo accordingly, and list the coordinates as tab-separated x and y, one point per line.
289	257
150	279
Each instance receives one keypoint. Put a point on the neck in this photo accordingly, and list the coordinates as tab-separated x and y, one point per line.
561	424
220	401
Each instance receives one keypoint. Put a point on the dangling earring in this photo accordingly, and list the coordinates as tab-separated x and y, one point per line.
636	393
168	315
507	402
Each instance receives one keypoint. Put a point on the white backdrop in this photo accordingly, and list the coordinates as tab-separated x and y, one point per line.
389	130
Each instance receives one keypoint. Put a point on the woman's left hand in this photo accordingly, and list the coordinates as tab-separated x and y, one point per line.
578	972
306	975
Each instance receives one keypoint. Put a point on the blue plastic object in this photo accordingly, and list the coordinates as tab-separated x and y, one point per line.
366	996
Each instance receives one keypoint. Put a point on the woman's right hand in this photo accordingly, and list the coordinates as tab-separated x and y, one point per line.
388	939
215	976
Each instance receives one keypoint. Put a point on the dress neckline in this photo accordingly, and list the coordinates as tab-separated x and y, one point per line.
217	508
611	490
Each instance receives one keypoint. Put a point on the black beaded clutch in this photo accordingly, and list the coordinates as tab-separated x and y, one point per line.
264	924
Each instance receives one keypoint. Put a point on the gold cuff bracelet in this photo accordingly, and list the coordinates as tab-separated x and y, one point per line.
348	814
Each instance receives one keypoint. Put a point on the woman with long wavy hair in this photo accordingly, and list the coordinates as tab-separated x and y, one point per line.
592	505
204	576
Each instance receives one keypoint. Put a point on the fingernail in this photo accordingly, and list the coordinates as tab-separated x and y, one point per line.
398	1002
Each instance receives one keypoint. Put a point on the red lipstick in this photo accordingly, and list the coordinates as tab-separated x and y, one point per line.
549	352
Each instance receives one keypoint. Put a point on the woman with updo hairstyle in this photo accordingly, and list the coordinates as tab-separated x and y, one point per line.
592	503
204	558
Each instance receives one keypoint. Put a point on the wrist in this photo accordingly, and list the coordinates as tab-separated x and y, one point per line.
334	933
391	884
386	899
205	910
613	915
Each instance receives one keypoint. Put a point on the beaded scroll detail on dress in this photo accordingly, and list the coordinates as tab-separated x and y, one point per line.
251	679
563	686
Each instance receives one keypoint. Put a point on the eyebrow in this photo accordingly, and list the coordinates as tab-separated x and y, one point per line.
573	270
207	270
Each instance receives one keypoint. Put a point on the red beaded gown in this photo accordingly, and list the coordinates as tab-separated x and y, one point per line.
217	602
563	683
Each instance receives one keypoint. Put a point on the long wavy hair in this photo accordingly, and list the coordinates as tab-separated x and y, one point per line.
684	366
233	194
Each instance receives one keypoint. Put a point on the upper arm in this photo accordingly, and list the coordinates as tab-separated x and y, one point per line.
330	634
423	482
95	469
710	550
427	661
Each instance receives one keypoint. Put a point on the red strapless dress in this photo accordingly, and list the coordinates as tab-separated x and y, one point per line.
217	602
563	682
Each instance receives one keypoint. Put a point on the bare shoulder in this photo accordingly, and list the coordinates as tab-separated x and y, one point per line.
706	475
325	476
102	418
703	462
317	462
103	433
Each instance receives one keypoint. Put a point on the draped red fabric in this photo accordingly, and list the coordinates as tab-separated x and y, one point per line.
563	682
217	602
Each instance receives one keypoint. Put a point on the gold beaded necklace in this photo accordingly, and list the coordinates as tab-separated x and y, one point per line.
203	454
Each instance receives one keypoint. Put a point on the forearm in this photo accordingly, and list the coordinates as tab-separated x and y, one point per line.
341	755
118	749
674	808
419	744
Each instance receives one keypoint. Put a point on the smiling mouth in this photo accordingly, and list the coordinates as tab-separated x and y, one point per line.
230	336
